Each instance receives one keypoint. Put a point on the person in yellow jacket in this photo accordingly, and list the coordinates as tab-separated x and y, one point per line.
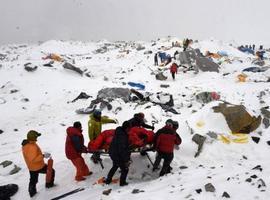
34	160
95	127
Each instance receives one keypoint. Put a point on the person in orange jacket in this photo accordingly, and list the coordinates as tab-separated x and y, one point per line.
173	70
35	161
74	148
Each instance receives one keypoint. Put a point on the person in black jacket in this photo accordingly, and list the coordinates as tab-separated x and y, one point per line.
138	120
120	153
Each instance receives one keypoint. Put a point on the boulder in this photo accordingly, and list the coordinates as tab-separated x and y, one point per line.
199	140
160	76
238	119
209	187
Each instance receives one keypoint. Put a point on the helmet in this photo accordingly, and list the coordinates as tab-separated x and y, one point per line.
32	135
169	122
97	113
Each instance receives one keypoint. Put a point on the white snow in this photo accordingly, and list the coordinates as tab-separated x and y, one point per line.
50	112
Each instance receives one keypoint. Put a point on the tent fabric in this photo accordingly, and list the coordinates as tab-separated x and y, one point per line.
137	85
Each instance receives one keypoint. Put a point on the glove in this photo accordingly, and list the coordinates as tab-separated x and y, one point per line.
176	147
46	155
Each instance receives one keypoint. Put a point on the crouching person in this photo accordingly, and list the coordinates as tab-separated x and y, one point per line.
120	153
165	140
35	161
74	149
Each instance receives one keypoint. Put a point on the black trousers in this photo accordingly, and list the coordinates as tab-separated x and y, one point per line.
173	75
124	172
34	179
168	157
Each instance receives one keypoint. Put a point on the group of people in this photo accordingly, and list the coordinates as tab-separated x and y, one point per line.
120	148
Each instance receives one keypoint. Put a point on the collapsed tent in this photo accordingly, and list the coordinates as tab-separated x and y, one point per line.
238	119
138	137
195	59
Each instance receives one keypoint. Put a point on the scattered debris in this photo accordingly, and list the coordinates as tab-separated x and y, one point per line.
198	191
135	191
82	95
258	167
15	170
107	192
199	140
1	131
255	139
160	76
6	163
226	195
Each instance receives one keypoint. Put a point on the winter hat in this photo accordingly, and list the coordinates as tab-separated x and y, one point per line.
77	125
126	124
175	125
169	122
97	113
32	135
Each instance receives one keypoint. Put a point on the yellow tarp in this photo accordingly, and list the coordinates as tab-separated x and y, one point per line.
235	138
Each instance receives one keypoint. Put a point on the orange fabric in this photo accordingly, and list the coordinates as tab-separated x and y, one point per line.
33	156
81	167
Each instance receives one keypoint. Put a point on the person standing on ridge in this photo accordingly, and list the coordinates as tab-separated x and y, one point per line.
35	161
156	59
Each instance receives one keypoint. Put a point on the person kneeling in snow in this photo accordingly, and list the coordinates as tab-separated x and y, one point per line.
164	142
74	149
35	161
120	153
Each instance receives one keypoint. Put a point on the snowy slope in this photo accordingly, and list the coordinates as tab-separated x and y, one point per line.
42	102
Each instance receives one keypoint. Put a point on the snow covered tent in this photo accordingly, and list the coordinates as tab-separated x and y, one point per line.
196	59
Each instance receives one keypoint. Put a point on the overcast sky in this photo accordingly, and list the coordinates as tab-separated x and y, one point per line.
39	20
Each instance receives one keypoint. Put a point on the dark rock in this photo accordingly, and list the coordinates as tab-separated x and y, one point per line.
82	95
107	192
199	140
15	170
198	191
209	187
228	178
226	195
261	183
258	167
25	100
265	112
73	68
254	176
248	180
212	135
6	163
160	76
13	91
255	139
164	85
15	129
29	67
268	142
266	122
1	131
244	157
136	191
183	167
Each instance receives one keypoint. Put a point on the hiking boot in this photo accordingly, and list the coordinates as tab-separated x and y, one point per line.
50	185
124	184
32	193
107	181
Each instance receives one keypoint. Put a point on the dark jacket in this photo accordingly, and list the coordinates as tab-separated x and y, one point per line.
74	143
137	121
165	140
119	148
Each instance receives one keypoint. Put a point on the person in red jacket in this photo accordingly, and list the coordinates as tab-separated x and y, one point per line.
164	142
74	149
173	70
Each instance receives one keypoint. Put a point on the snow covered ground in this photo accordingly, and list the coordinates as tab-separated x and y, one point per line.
40	100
